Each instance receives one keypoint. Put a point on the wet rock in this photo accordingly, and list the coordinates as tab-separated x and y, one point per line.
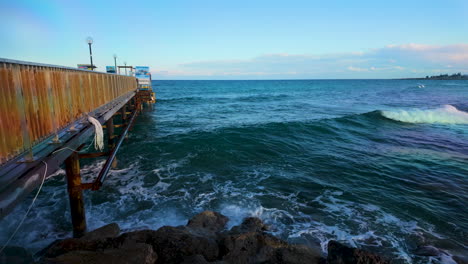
299	254
141	236
243	248
101	238
248	243
64	246
14	254
201	241
196	259
135	253
341	254
250	224
107	231
461	259
209	221
427	251
172	244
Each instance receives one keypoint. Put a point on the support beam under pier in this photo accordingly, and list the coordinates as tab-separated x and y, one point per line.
75	194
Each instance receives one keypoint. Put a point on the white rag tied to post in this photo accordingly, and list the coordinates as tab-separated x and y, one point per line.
98	133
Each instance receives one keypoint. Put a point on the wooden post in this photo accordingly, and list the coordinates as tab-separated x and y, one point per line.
110	138
75	194
110	132
124	114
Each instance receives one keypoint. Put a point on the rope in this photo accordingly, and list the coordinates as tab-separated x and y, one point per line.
29	209
74	150
98	144
58	150
98	133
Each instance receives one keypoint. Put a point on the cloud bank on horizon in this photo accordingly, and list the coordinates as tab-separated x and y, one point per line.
391	61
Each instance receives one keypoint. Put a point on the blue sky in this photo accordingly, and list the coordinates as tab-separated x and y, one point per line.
213	39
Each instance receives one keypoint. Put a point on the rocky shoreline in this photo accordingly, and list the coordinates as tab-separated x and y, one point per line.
203	240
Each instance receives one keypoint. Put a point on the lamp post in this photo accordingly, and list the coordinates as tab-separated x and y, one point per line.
90	41
125	63
115	63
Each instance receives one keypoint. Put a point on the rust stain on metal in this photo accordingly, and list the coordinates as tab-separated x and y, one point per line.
37	101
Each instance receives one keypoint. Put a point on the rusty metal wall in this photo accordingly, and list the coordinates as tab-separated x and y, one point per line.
38	100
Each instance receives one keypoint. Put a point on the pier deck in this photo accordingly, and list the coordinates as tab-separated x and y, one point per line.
44	113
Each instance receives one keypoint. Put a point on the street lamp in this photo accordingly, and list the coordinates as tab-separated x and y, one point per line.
89	40
125	63
115	62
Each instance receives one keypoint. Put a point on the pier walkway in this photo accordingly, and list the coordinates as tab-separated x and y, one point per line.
44	111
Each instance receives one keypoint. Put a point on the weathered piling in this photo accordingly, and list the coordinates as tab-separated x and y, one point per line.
75	195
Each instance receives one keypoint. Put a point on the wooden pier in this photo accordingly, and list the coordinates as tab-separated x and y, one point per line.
44	113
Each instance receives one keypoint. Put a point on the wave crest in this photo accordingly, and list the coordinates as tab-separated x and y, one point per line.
447	114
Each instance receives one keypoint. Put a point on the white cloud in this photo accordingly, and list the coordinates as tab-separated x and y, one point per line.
391	61
357	69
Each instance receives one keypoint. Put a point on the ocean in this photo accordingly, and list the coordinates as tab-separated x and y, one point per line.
377	164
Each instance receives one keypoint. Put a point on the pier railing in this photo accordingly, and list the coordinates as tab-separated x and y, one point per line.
38	100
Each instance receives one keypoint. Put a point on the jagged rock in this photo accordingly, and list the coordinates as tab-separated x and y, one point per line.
135	253
64	246
250	224
299	254
172	244
101	238
196	259
248	243
107	231
427	251
208	220
240	248
461	259
341	254
12	254
141	236
201	241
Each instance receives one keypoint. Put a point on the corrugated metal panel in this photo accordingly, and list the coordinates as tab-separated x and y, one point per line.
37	100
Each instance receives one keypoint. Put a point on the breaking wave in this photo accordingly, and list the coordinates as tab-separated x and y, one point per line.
447	114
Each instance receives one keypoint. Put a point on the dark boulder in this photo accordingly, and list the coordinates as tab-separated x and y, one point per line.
250	224
203	240
128	254
12	254
140	236
248	243
209	221
195	259
64	246
299	254
107	231
427	251
341	254
460	259
99	239
172	244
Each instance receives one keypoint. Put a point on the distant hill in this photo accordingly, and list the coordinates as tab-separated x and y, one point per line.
455	76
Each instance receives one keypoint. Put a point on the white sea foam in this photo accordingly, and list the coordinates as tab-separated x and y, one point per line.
447	114
135	205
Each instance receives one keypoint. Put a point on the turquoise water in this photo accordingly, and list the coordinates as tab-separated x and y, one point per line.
377	164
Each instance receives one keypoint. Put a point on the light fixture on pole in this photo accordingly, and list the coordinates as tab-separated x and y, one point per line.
89	40
115	62
125	63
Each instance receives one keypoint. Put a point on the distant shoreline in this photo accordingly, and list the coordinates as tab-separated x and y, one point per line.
456	76
441	79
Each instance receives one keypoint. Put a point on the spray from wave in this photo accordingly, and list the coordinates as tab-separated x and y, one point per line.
447	114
